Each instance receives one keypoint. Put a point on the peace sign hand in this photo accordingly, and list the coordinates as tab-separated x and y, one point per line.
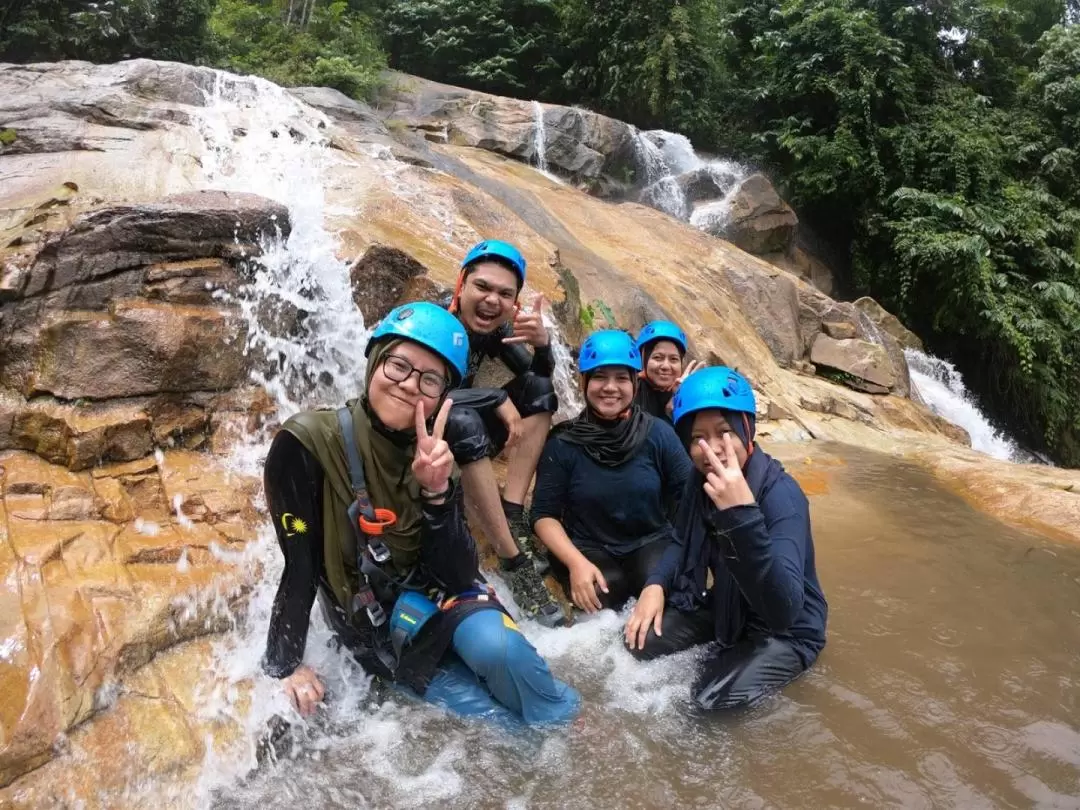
433	462
529	326
724	483
691	367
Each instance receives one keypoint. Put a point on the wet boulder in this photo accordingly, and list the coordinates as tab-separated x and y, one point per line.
759	221
888	323
861	359
193	225
379	279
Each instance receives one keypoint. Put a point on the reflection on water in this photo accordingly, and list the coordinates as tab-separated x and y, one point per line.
950	680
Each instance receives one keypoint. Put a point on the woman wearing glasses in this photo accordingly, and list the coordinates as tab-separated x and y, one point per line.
368	517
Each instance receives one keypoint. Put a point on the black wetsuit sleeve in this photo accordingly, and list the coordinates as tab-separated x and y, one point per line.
293	480
519	359
447	548
552	491
766	552
668	566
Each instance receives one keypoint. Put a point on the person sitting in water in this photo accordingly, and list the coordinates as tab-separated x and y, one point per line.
748	522
368	517
663	348
484	421
607	482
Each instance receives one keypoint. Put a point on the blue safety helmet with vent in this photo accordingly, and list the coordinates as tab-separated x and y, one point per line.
433	328
499	251
608	347
716	387
661	330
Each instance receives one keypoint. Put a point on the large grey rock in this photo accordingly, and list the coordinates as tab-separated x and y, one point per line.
759	221
379	278
859	358
194	225
583	146
770	301
888	323
817	309
138	348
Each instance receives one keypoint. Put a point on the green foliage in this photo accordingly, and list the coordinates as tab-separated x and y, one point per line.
39	30
647	61
7	137
294	43
510	47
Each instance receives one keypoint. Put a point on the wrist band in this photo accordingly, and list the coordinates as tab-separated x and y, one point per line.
427	495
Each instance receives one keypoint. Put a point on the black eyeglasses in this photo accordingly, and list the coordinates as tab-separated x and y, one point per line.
398	369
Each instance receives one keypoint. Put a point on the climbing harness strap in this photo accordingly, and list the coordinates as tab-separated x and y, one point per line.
367	523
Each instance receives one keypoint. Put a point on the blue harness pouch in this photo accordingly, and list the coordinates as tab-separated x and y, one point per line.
411	612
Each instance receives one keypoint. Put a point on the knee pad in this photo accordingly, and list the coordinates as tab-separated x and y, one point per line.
467	435
532	394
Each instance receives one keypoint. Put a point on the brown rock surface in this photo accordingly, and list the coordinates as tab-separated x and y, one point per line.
760	222
98	593
860	358
379	278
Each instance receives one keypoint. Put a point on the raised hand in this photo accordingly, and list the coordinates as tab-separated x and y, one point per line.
433	461
691	367
529	326
725	484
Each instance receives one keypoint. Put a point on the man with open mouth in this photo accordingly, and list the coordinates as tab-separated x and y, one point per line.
517	416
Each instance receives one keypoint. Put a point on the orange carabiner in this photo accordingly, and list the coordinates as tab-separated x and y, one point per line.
384	519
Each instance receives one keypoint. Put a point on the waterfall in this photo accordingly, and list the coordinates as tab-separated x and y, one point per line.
565	378
942	388
684	184
539	138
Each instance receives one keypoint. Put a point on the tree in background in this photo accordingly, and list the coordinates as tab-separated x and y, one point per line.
300	42
508	47
45	30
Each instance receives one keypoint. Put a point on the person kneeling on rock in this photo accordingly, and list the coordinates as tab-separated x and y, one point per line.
745	519
663	349
608	482
368	517
484	421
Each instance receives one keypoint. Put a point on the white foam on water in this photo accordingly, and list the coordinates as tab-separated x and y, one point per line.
942	388
539	139
669	154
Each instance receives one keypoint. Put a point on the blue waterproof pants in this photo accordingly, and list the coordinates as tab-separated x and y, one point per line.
497	674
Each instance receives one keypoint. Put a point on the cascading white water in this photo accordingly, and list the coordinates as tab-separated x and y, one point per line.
942	389
308	337
666	156
565	378
539	139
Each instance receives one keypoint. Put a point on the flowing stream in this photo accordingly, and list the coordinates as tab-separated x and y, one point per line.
942	388
951	678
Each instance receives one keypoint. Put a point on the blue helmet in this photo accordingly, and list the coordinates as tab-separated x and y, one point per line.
608	347
500	251
716	387
433	328
662	330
